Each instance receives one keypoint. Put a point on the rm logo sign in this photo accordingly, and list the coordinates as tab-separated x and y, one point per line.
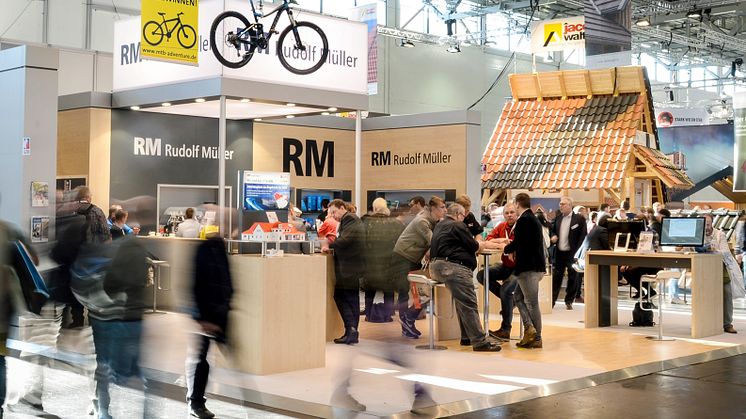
316	161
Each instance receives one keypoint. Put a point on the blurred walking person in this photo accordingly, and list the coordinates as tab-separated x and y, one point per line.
212	292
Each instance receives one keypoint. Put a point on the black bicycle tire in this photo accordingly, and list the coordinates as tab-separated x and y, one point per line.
183	29
324	51
145	36
214	44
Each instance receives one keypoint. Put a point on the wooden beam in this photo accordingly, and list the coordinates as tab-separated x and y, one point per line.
489	196
614	195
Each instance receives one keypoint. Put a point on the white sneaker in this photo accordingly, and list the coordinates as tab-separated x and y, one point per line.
677	300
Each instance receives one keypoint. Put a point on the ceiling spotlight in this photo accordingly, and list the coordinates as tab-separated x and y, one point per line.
244	100
643	22
258	119
290	104
289	116
135	108
325	113
454	48
694	14
406	43
199	100
332	109
166	104
646	46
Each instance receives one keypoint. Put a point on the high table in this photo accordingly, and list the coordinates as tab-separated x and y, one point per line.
601	276
487	253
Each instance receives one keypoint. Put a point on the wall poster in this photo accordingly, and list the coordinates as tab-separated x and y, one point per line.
39	194
39	229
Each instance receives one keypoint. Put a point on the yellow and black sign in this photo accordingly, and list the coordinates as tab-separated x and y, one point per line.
169	30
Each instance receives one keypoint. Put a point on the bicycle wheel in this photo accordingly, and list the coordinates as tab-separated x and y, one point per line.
186	36
230	41
152	33
313	50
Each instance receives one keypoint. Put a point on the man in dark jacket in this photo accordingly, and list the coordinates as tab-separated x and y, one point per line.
213	289
567	233
349	267
453	260
528	247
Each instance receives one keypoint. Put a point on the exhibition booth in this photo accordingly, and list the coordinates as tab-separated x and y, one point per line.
171	137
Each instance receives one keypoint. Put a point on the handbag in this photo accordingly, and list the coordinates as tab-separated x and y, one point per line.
34	289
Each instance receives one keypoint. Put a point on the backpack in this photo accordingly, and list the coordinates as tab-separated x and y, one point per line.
71	234
643	318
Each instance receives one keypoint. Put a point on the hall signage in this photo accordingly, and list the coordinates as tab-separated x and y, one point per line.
558	35
169	30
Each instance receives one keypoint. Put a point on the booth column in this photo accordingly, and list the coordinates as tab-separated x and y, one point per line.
28	110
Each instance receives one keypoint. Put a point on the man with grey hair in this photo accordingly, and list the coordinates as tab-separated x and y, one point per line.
453	260
567	233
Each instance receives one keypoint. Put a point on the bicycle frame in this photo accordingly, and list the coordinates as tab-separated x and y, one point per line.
173	28
284	7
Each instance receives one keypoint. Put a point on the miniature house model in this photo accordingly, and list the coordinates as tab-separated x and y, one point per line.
273	232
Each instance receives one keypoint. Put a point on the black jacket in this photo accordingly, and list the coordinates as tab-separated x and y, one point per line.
474	226
381	233
528	244
349	249
578	230
453	240
598	238
213	285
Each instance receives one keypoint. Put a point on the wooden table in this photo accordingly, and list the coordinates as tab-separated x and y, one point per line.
601	276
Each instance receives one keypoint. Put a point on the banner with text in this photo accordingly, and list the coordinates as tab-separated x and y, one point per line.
367	15
677	117
739	130
558	35
169	30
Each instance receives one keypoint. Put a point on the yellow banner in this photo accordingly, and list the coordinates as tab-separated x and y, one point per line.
169	30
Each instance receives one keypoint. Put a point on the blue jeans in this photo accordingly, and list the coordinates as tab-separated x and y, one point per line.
458	280
527	300
117	356
503	291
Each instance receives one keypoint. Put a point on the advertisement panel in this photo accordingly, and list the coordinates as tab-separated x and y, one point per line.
700	151
264	191
558	35
677	117
739	132
345	70
367	15
608	40
169	30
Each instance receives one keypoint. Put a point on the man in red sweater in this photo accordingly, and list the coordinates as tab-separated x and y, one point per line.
502	272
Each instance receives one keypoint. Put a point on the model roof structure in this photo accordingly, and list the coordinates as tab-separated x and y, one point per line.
580	129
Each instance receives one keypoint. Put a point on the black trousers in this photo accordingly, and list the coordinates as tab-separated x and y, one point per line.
348	304
197	370
563	262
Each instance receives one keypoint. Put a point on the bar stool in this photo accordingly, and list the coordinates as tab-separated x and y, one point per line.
417	278
661	278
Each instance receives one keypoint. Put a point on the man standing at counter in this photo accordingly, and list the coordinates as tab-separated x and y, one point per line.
453	260
349	267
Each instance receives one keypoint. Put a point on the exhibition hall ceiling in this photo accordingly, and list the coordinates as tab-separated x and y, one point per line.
235	109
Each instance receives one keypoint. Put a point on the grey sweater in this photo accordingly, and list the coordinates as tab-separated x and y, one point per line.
414	241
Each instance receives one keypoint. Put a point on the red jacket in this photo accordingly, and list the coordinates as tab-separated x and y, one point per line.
503	230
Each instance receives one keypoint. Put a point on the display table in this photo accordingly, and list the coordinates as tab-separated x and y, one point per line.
278	311
601	275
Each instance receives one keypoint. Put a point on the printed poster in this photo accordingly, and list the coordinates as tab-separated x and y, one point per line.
39	229
39	194
169	30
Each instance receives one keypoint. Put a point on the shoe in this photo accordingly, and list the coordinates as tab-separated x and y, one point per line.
352	337
730	329
200	412
635	296
343	338
465	342
528	337
677	300
568	306
408	325
487	346
534	344
409	335
580	300
622	282
501	335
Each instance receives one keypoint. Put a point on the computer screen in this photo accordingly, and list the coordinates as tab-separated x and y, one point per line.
683	231
615	227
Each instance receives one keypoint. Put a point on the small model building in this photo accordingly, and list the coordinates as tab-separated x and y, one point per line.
273	232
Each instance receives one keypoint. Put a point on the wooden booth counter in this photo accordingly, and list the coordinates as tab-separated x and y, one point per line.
601	276
278	312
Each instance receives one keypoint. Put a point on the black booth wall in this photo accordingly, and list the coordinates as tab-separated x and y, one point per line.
134	176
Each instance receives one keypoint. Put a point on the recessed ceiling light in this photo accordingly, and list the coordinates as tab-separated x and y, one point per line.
244	100
325	113
332	109
258	119
166	104
290	104
289	116
199	100
643	22
135	108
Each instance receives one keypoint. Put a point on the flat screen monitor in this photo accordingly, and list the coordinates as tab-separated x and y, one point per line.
634	228
683	231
